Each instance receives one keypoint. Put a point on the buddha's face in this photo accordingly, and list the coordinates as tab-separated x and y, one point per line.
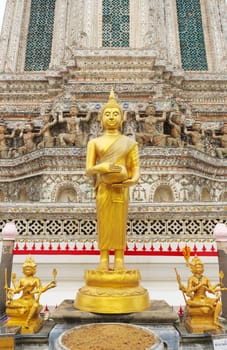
111	118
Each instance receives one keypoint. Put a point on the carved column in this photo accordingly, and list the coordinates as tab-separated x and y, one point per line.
223	11
220	234
59	33
74	23
139	23
93	23
5	34
14	37
10	36
213	14
220	38
9	234
172	35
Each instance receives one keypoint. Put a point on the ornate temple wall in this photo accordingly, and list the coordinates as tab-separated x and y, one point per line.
56	54
78	24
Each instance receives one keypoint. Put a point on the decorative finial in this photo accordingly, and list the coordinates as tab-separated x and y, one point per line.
112	97
112	103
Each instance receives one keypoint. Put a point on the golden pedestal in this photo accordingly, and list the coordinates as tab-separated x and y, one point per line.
112	292
200	320
19	319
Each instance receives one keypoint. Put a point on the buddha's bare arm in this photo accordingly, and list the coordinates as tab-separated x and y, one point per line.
92	168
134	168
103	168
134	179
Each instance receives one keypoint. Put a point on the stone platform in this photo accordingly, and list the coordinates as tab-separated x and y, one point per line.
160	318
36	341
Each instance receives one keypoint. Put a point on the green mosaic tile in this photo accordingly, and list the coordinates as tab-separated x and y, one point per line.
193	51
115	16
40	32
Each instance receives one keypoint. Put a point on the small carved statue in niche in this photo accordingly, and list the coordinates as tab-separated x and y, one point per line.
130	124
28	136
74	135
67	195
202	311
151	135
95	129
186	187
25	310
175	121
222	150
4	148
45	131
196	134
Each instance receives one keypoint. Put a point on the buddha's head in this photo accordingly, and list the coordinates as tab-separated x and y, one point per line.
111	115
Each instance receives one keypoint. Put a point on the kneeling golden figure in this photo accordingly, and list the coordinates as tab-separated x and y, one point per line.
202	310
25	311
113	161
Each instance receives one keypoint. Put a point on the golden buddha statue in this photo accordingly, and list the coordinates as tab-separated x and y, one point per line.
25	311
112	159
202	311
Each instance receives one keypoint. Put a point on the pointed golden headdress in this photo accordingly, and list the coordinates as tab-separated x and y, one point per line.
196	261
186	251
29	262
112	104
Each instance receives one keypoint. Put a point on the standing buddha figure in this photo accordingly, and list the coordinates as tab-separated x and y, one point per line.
114	162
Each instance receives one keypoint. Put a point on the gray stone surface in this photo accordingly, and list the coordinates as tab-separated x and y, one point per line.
159	318
159	312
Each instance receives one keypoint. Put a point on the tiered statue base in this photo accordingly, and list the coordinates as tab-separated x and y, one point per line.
16	319
200	320
112	292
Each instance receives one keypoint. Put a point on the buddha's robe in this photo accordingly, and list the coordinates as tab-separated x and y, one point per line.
112	196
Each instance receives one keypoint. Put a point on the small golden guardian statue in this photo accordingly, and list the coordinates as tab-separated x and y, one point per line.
202	311
113	162
25	311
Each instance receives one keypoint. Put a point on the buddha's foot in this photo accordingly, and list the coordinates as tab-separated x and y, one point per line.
103	266
119	266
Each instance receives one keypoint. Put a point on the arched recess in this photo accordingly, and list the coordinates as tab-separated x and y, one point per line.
163	193
223	197
205	195
2	196
22	195
66	194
